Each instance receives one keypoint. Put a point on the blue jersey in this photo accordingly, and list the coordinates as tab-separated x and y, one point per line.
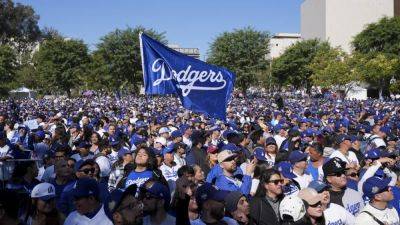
138	178
396	200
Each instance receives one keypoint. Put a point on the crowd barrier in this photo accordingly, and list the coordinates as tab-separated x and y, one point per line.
7	168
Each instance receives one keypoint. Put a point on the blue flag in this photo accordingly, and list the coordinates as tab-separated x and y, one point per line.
201	87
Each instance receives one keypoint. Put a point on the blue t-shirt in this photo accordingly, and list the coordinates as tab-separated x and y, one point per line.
396	200
352	184
312	171
138	178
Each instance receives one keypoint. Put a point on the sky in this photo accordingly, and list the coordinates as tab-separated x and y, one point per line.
188	23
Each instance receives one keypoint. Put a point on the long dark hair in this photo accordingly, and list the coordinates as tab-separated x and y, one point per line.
151	162
52	218
265	178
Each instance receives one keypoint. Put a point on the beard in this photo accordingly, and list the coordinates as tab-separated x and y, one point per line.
137	221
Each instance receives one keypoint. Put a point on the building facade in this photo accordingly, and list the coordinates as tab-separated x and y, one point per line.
280	42
338	21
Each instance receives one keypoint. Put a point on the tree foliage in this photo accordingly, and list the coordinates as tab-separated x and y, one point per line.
242	51
292	67
118	57
333	68
18	25
383	36
7	68
60	64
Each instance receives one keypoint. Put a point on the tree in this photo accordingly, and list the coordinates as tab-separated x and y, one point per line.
120	51
60	64
242	51
18	26
377	69
7	68
333	69
383	36
292	67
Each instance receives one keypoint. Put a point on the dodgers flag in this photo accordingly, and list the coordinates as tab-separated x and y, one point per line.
201	87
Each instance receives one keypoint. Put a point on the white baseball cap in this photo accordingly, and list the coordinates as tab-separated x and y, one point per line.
293	207
164	130
224	155
44	191
161	140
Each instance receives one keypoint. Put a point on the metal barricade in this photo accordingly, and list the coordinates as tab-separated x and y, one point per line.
7	168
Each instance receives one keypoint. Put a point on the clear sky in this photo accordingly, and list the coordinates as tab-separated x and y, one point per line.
187	23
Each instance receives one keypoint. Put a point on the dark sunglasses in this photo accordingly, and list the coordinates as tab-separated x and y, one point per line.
338	174
276	182
353	175
145	194
316	205
87	171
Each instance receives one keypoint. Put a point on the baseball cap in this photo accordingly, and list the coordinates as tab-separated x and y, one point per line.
44	191
168	149
164	130
334	165
122	152
318	185
84	144
231	147
212	149
161	140
231	200
85	187
207	191
259	153
158	190
297	156
40	134
373	154
224	155
270	141
292	208
375	185
116	197
309	195
176	133
342	137
285	168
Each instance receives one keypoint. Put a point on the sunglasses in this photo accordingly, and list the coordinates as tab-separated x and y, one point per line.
353	175
276	182
131	206
316	205
87	171
146	194
338	174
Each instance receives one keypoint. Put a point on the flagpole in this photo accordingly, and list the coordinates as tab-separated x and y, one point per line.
141	55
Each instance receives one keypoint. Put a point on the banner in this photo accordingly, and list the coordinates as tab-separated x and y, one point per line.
201	87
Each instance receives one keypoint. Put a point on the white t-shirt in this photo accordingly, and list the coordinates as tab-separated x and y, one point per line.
170	174
303	180
74	218
350	158
388	216
338	215
105	166
279	139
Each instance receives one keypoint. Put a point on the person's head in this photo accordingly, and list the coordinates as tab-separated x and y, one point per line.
155	197
180	148
270	146
84	148
343	141
377	189
198	174
315	152
323	190
112	129
226	159
212	153
86	195
186	171
9	125
60	154
313	202
335	173
298	159
168	154
27	169
237	206
95	138
271	184
212	211
124	208
43	198
85	169
62	169
292	210
352	174
144	158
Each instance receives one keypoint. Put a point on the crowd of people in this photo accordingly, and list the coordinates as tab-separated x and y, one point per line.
137	160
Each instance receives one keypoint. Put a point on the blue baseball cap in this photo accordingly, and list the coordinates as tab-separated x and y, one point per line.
318	185
231	147
259	153
297	156
373	154
375	185
122	152
85	187
114	200
176	133
40	134
285	168
270	141
342	137
158	190
168	149
208	192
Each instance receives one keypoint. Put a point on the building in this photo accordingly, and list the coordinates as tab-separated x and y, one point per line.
193	52
338	21
280	42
